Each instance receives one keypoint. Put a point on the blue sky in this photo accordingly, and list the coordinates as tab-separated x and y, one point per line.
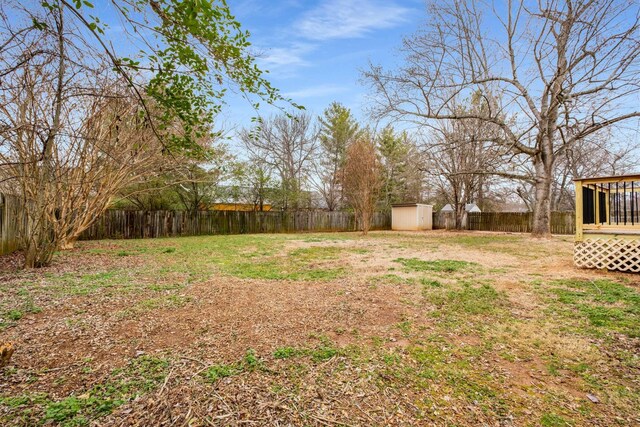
315	50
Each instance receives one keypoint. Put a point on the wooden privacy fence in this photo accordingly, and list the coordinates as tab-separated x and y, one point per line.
519	222
444	220
119	224
10	221
122	224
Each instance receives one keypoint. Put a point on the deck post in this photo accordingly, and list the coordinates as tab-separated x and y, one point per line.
578	211
596	204
608	219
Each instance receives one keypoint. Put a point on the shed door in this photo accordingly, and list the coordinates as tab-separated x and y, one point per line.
404	218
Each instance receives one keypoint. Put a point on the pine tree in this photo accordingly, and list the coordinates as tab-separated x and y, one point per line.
394	150
338	129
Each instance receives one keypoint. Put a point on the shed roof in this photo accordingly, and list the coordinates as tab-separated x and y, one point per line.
469	207
408	205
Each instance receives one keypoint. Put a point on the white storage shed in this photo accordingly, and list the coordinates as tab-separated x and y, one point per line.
411	216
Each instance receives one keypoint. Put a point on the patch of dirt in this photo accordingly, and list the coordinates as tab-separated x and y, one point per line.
241	314
11	262
226	317
76	341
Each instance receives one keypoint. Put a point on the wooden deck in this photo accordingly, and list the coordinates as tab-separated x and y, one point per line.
608	223
612	231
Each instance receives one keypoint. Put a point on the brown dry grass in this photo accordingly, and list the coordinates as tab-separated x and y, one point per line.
320	329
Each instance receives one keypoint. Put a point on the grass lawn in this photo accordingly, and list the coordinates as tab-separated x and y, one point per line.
436	328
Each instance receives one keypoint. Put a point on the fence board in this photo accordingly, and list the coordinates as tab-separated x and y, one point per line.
121	224
444	220
519	222
10	222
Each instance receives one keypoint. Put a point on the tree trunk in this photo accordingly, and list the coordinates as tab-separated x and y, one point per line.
40	248
460	209
30	256
366	223
543	162
42	241
68	243
542	204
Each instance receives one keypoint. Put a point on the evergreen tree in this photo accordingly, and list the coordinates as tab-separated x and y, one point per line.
394	150
338	129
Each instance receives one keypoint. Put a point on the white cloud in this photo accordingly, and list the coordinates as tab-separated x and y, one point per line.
315	91
279	58
340	19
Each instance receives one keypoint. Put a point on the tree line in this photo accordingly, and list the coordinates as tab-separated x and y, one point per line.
294	161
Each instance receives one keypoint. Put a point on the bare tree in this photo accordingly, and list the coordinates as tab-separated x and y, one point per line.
460	157
72	137
251	182
97	153
154	193
78	121
559	71
591	159
198	187
197	181
413	178
362	181
286	143
260	185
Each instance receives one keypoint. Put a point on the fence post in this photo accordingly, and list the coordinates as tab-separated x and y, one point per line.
11	223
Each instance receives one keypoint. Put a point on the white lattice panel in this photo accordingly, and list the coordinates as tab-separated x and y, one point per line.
610	254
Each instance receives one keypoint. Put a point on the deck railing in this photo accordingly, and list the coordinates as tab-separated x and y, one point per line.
608	205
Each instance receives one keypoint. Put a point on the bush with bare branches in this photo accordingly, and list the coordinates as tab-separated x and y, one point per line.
362	181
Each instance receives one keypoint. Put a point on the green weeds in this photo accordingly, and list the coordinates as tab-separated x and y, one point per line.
250	362
443	266
139	377
216	372
597	307
286	352
16	307
314	263
323	351
465	299
554	420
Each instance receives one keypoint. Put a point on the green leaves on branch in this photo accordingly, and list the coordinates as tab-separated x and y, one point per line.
196	49
204	48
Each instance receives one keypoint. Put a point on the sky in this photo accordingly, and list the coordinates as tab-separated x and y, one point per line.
315	50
